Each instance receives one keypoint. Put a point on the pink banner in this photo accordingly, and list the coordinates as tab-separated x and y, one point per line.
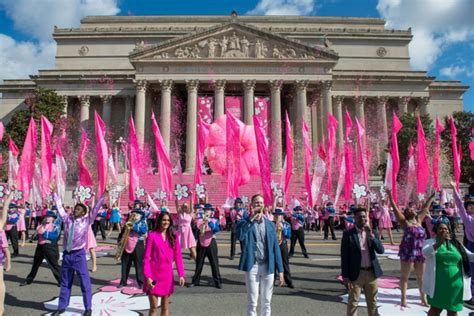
102	153
206	108
349	172
262	106
439	129
289	157
396	127
46	155
319	172
234	106
233	155
456	161
61	172
27	161
362	152
85	178
332	128
134	161
13	153
308	158
2	131
263	160
202	134
411	176
422	170
163	158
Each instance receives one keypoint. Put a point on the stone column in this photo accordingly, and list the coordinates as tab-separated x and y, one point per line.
327	104
337	104
319	117
64	100
275	125
249	87
85	104
360	114
128	111
382	118
165	112
424	103
191	123
106	108
141	86
219	93
301	104
403	105
315	122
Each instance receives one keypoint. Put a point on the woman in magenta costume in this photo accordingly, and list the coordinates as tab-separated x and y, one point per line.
162	249
385	222
185	234
411	247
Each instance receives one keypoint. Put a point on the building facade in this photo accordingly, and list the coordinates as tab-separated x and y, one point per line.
306	66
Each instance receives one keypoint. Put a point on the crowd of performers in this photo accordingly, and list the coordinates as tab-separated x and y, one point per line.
151	238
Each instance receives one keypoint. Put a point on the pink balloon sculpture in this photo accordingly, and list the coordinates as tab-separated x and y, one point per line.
216	150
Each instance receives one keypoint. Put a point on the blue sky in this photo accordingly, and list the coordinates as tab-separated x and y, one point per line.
443	30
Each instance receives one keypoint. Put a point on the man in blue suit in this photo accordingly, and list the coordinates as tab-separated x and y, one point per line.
359	264
260	255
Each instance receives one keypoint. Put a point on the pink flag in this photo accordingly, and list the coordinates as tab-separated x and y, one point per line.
289	157
262	104
46	155
102	153
349	172
36	186
164	163
411	175
233	155
234	106
61	172
471	144
456	161
134	161
341	180
308	158
2	130
319	173
85	178
205	108
202	133
439	129
332	128
360	134
422	170
27	161
13	153
396	126
263	160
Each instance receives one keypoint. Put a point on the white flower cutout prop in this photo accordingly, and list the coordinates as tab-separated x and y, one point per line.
104	303
278	193
139	192
3	190
163	195
245	199
181	191
325	198
274	185
373	197
17	195
359	190
382	191
200	190
84	193
114	195
421	196
49	199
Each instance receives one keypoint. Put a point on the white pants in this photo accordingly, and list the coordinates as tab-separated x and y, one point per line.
258	276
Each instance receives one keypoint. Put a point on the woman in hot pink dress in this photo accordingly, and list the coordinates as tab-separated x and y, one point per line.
162	249
185	233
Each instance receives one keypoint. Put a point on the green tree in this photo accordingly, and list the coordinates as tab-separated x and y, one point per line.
464	122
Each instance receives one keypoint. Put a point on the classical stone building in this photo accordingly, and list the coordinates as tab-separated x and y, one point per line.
307	66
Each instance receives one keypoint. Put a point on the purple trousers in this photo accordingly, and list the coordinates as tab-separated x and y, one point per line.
470	247
75	262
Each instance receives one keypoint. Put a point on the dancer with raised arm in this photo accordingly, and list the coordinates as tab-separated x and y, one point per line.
5	258
185	233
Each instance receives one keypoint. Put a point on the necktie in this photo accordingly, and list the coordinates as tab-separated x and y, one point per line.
70	237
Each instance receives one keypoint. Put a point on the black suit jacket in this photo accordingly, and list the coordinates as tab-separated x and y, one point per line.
351	254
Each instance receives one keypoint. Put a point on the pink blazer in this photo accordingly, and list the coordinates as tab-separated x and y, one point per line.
158	264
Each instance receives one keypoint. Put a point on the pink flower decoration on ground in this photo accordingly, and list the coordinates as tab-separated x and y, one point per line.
385	282
131	289
104	248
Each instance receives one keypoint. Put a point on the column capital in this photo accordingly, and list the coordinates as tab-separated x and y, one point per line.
425	100
360	100
382	100
338	99
166	85
84	99
249	84
301	84
192	85
64	98
404	100
326	85
141	85
106	98
275	85
219	84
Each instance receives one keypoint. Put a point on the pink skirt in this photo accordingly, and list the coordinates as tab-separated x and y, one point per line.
385	221
91	242
20	225
186	237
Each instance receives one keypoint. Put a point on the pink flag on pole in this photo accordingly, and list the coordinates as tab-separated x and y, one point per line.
13	153
395	158
289	157
102	153
85	178
349	172
262	104
341	180
456	161
362	152
263	160
27	161
439	129
46	155
164	162
134	161
308	158
411	175
202	133
233	155
36	186
2	130
319	172
61	172
234	106
422	160
332	128
205	108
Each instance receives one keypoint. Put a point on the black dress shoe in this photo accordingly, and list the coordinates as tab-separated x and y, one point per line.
120	286
24	283
88	312
470	302
58	312
193	285
218	285
291	286
231	257
306	256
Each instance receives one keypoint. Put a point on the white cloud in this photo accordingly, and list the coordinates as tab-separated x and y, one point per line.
37	19
453	71
435	24
283	7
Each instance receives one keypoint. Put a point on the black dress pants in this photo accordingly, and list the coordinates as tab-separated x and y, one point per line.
49	252
136	257
298	235
211	253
